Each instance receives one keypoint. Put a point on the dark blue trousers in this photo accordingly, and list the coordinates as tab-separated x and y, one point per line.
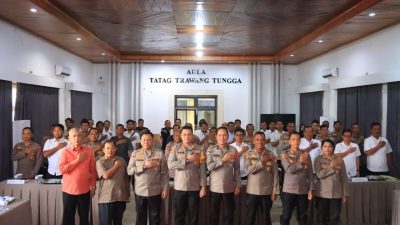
111	213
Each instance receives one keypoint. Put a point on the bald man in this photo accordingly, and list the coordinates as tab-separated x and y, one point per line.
78	167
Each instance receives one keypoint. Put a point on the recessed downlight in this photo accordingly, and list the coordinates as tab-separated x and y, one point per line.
199	53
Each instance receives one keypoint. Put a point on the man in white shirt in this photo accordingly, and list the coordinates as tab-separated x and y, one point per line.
276	136
350	152
241	148
378	151
107	131
231	132
310	145
132	134
268	134
202	133
263	126
52	151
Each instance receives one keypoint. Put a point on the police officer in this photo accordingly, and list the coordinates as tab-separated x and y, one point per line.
225	182
262	180
149	167
331	190
298	182
28	155
188	161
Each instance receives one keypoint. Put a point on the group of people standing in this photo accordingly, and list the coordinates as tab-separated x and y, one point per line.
214	162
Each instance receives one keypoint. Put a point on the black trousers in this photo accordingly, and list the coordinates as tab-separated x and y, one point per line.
256	202
51	176
369	172
151	204
281	174
227	202
328	211
70	203
187	203
111	213
290	201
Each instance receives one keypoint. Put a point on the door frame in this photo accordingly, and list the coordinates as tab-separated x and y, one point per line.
196	107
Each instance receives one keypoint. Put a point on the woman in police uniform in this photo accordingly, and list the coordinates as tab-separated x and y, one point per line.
331	188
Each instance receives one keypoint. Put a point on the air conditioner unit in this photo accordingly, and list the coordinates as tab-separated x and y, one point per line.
63	71
330	72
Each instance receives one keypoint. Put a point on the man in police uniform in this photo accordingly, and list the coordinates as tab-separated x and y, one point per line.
28	155
262	180
188	161
149	167
298	183
225	182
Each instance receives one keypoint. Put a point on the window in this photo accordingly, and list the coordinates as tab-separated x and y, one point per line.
191	109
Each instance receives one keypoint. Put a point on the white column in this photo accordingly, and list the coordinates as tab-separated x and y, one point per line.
384	108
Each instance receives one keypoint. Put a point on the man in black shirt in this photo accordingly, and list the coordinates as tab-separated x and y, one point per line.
165	133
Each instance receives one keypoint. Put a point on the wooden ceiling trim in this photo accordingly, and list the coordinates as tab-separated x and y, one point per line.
183	58
336	21
86	34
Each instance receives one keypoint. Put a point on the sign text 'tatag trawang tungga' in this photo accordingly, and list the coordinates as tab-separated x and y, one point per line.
195	76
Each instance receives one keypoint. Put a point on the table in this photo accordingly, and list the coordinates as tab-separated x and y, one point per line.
19	212
46	201
396	208
368	203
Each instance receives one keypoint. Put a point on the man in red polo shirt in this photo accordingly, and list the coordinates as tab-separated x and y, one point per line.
78	167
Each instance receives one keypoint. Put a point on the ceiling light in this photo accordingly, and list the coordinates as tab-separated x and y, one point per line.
79	39
199	37
291	55
200	3
199	53
371	14
199	27
162	61
320	41
199	45
103	53
33	10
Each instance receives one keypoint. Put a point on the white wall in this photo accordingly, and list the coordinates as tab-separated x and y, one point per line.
27	58
372	60
377	54
158	99
289	97
234	100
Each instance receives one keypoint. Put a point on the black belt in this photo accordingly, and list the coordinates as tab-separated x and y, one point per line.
244	178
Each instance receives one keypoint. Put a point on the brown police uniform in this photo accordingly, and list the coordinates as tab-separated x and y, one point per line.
189	176
27	164
113	192
149	184
224	178
262	182
298	182
330	188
